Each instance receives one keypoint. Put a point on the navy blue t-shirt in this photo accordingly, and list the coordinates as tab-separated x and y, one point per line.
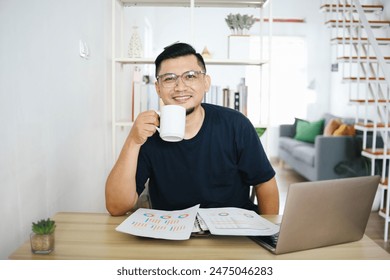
214	169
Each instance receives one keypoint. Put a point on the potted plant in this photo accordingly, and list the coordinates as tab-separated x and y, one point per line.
42	237
239	24
260	130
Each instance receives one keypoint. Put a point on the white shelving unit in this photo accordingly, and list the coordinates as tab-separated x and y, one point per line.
247	62
119	58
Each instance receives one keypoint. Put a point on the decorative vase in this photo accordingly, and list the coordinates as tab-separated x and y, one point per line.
206	53
135	45
42	243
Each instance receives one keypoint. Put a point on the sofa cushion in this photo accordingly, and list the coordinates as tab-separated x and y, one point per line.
290	144
305	153
307	131
296	123
331	126
344	130
328	117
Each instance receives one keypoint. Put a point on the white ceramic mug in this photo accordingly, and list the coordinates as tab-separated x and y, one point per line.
172	123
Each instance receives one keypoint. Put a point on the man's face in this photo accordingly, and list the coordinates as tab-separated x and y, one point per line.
189	93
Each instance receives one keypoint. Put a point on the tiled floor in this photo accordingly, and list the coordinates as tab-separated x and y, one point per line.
285	176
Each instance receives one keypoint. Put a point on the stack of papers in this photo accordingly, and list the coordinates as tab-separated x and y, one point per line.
180	224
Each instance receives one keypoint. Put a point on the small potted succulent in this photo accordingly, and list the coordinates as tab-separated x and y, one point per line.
42	237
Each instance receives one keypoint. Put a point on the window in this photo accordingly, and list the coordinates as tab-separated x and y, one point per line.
285	77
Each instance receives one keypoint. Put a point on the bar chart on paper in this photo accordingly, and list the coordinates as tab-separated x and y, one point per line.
175	225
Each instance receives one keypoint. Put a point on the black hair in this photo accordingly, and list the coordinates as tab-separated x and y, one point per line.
177	50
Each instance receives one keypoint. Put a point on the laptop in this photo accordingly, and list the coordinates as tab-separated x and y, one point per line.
323	213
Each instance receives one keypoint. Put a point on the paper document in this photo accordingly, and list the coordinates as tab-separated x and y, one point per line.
236	221
174	225
180	224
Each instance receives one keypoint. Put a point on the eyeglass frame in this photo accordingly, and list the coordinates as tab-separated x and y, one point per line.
177	77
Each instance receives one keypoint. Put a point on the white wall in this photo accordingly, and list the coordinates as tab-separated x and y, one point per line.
54	127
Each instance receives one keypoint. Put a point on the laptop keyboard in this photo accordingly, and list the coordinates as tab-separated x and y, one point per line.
271	240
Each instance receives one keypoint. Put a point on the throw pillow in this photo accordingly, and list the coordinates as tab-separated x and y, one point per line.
296	123
344	130
331	126
307	131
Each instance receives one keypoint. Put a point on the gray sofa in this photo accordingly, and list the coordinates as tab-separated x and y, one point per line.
318	161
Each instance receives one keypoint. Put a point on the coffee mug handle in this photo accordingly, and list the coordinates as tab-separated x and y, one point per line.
159	115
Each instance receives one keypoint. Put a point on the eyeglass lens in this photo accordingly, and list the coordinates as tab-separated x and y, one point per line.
188	78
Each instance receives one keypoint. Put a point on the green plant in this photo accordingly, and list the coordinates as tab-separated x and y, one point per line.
248	21
44	226
238	21
260	130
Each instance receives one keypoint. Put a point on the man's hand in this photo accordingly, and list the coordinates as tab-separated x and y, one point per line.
144	126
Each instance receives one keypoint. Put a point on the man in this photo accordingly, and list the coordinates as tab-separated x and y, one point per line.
219	159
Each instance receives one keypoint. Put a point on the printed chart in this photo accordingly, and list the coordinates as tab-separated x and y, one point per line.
175	225
236	221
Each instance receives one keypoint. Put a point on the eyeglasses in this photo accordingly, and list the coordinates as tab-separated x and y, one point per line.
189	78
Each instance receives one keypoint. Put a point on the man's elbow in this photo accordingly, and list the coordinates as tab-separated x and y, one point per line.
118	209
115	212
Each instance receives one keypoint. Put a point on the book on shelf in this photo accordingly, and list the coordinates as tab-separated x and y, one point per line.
236	99
226	97
214	96
242	88
135	96
195	221
144	98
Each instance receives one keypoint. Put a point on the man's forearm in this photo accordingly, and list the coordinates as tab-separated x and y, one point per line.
121	195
